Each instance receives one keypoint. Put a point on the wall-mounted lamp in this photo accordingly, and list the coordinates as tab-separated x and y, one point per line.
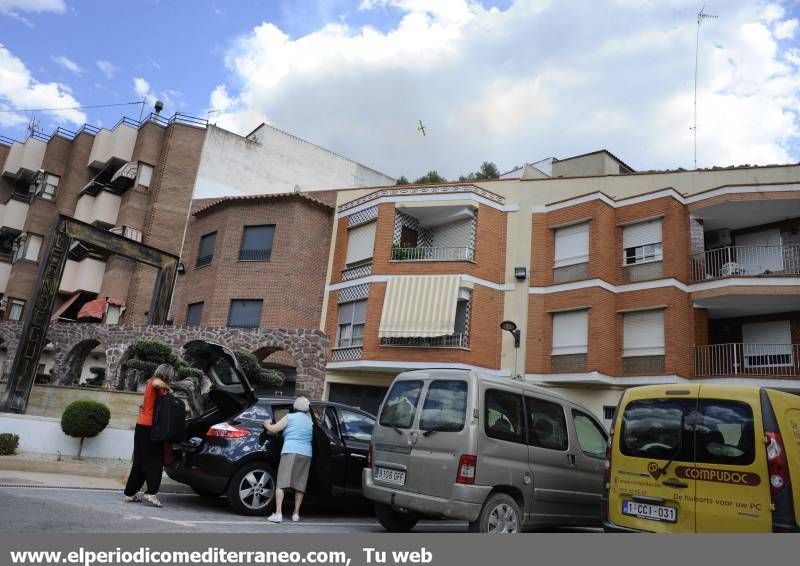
181	268
511	327
521	273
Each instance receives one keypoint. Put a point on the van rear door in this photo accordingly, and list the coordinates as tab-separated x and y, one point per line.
652	460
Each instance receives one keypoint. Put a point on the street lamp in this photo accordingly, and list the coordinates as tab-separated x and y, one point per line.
511	327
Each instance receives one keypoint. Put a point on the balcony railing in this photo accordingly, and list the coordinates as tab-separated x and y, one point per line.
451	341
779	360
433	254
127	232
255	255
202	261
746	261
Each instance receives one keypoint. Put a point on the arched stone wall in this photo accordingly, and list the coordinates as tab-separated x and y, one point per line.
307	348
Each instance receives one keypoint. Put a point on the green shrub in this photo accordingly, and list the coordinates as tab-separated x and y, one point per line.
188	371
256	374
8	444
84	419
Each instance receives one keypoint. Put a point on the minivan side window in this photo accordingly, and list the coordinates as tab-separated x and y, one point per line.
591	438
503	417
725	433
547	426
401	404
651	428
445	406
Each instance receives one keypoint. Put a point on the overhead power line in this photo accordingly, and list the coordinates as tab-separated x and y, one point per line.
71	107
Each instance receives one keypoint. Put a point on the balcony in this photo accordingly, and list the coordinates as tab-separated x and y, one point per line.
127	232
13	214
746	261
255	254
458	340
745	359
24	159
84	275
465	253
102	209
116	143
5	273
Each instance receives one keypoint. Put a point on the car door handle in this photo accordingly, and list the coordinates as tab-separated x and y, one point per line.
675	483
571	459
354	455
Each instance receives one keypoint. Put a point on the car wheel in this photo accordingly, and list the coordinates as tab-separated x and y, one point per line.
500	514
204	492
251	490
395	521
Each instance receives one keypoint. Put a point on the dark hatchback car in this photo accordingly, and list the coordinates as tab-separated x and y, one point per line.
228	452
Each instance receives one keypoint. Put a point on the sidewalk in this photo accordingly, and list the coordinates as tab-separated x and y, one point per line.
41	470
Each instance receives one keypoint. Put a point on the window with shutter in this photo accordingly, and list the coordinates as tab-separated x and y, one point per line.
205	253
572	244
570	332
360	243
767	344
641	242
643	333
32	246
145	175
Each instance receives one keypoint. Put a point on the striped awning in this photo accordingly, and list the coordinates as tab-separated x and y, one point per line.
423	306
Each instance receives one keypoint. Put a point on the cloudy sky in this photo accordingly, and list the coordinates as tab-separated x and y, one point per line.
503	80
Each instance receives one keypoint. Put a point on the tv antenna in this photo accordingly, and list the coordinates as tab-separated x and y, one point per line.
701	15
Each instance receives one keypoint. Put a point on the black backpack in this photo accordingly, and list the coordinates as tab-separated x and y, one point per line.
169	420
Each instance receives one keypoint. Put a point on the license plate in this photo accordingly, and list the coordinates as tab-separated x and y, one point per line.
650	512
390	476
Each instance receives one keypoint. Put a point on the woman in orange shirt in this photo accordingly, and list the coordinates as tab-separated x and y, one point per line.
148	456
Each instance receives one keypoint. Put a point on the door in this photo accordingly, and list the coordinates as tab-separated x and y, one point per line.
356	431
652	461
589	452
767	345
329	462
408	237
555	499
733	493
760	252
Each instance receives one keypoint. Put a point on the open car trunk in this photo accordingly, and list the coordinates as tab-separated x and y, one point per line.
230	391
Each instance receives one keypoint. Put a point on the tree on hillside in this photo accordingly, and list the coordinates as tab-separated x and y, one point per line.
402	180
430	177
487	170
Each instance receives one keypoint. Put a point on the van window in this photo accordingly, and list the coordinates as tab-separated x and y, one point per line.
401	404
547	426
445	406
651	428
591	439
503	418
724	433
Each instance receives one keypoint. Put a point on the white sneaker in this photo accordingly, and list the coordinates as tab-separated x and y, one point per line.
295	517
135	498
151	499
275	518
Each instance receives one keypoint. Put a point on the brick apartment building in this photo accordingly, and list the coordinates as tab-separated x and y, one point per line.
615	278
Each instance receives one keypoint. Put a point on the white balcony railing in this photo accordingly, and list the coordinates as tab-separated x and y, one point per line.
780	360
465	253
746	261
452	341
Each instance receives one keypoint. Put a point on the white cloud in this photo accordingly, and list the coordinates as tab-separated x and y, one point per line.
535	80
15	8
107	68
171	98
18	89
68	64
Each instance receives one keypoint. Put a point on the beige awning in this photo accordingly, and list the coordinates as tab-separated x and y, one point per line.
423	306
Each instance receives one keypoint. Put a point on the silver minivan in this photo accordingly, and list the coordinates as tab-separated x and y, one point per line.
502	454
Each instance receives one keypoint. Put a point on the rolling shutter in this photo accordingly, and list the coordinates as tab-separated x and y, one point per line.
759	252
572	244
360	242
643	333
641	234
570	332
767	344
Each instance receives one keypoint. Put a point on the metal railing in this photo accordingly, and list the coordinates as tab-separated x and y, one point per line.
255	255
433	254
746	261
460	340
782	360
202	261
127	232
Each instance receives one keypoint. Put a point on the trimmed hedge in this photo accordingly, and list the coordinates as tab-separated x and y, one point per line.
8	443
256	374
85	419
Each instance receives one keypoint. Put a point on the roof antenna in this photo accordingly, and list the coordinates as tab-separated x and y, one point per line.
701	15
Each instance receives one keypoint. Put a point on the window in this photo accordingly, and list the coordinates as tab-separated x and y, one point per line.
17	307
725	433
144	175
350	332
401	404
46	186
360	243
570	332
767	344
355	426
643	333
257	243
245	313
641	242
205	253
445	406
258	412
503	418
462	312
571	245
608	416
659	429
27	246
194	314
113	313
591	438
324	417
547	425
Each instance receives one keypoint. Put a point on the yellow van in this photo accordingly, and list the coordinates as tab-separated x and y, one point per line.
704	458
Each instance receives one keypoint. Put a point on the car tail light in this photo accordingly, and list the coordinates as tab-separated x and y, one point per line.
227	430
467	467
369	456
776	463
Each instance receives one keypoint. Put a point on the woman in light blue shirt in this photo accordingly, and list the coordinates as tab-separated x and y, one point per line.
298	430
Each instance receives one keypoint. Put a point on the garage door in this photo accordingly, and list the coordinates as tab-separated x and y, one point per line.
365	397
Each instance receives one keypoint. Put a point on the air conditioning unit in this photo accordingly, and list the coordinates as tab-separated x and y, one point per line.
718	239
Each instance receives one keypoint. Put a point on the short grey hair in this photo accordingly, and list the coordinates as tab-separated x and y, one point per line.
165	373
302	404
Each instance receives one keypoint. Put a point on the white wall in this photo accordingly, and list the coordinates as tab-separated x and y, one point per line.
13	214
28	155
43	435
84	275
118	142
231	165
5	273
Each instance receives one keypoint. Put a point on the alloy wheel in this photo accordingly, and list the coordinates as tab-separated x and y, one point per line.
503	519
257	489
